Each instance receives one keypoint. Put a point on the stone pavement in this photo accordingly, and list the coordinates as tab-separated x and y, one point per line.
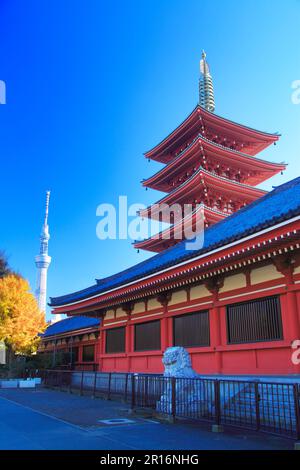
47	419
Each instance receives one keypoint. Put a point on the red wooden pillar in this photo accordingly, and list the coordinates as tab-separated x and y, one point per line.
129	346
290	316
98	350
128	337
164	324
215	337
102	347
291	323
223	326
292	313
80	352
170	331
128	343
215	322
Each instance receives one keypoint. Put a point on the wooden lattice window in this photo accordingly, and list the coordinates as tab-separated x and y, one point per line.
147	336
192	330
115	340
257	320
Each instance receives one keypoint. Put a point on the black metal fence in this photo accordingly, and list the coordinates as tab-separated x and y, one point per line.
260	406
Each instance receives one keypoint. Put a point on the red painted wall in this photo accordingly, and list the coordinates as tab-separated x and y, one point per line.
270	358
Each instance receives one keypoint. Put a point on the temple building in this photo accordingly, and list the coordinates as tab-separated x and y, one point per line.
234	301
77	338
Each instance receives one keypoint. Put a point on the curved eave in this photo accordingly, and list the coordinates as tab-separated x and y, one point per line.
264	138
165	238
179	195
157	180
155	151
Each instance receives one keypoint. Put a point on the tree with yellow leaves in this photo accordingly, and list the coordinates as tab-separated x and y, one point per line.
20	318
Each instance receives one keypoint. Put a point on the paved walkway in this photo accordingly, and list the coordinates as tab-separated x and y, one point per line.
46	419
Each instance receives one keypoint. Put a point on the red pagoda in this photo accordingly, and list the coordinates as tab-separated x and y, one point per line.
210	166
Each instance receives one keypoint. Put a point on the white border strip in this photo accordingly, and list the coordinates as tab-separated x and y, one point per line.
190	306
147	316
115	323
251	292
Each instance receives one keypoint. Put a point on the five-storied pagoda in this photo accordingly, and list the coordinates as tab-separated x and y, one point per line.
233	301
210	167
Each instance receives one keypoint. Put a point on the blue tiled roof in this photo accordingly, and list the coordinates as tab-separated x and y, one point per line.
70	324
280	204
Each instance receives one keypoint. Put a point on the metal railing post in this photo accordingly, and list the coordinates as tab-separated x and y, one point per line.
126	385
257	410
81	383
297	409
173	404
132	391
70	381
109	386
146	391
217	402
95	384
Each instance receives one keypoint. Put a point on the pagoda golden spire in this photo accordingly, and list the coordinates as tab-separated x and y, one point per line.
206	89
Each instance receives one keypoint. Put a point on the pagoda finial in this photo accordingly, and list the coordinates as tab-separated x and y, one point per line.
206	89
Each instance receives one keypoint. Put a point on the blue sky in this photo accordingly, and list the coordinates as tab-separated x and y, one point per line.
92	85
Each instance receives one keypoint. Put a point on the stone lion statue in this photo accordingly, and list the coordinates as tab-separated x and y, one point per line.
193	398
178	363
190	393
